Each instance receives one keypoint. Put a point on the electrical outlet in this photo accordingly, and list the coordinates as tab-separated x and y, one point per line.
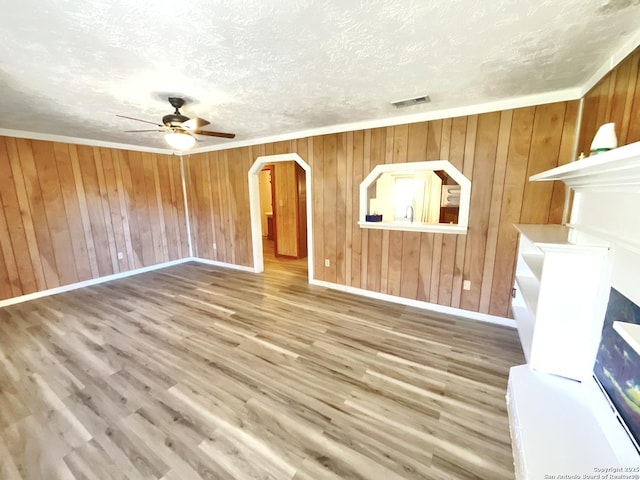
215	247
120	255
327	263
466	285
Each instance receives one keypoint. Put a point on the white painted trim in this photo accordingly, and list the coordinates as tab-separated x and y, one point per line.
116	276
254	206
615	170
630	244
458	312
507	104
611	62
416	227
573	93
576	137
81	141
186	206
216	263
88	283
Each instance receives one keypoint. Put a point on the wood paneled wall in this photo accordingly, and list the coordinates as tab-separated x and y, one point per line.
67	210
497	151
616	98
218	199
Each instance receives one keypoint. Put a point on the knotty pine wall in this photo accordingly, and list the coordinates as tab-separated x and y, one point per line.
67	210
497	151
616	98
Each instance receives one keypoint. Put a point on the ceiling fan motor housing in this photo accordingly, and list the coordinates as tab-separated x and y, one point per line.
174	119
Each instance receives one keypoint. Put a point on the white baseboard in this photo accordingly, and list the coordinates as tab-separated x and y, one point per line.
223	264
483	317
88	283
458	312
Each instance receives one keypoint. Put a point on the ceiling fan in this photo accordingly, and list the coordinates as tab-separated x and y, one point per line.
179	129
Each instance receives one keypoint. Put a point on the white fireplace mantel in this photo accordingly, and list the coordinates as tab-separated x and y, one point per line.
615	170
559	426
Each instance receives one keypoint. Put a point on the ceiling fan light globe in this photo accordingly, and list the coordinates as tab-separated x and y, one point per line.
179	141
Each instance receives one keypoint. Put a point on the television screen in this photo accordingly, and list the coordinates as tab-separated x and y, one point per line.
617	366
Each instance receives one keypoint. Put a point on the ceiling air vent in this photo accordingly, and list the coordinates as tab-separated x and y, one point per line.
411	101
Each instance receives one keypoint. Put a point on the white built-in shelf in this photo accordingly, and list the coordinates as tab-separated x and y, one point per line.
554	235
560	426
617	168
529	288
558	238
560	295
630	332
534	263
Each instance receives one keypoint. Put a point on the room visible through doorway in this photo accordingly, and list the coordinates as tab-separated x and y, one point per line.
283	217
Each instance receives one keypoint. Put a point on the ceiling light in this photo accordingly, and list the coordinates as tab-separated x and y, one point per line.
179	140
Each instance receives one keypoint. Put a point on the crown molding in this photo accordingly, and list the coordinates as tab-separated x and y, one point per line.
81	141
568	94
507	104
611	62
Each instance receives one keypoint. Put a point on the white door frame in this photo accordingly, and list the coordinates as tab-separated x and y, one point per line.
254	206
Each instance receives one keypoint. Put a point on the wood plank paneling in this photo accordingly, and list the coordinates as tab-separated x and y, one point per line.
316	154
495	210
330	185
616	98
36	207
497	151
23	279
68	210
341	207
104	202
544	155
512	194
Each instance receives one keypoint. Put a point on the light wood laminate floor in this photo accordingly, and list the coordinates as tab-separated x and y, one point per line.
196	372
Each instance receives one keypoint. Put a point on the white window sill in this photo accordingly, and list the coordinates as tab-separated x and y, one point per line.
416	227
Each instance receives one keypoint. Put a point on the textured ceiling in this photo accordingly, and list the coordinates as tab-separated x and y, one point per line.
261	68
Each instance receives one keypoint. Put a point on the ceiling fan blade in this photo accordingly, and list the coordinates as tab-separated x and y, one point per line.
139	120
136	131
195	123
190	133
215	134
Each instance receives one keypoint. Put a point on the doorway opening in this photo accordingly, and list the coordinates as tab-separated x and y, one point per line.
280	204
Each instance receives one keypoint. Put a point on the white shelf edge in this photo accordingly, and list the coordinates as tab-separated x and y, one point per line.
529	289
560	238
525	323
616	169
630	332
407	227
534	262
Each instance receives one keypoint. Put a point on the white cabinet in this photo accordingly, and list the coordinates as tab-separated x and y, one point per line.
560	297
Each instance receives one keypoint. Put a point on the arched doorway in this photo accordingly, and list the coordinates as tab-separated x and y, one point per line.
254	206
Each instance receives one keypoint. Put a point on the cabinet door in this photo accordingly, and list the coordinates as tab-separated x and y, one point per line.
286	209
